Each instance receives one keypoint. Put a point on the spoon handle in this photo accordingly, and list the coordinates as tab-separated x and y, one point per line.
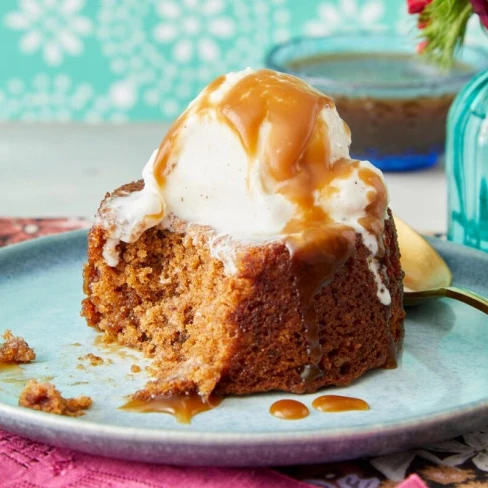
467	296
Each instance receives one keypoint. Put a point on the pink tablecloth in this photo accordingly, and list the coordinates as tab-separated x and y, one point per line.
461	462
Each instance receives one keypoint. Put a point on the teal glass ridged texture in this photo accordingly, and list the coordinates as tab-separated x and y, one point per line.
467	165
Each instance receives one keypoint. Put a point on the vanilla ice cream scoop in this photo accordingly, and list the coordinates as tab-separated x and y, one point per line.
227	160
257	156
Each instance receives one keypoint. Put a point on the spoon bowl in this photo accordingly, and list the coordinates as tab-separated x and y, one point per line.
427	275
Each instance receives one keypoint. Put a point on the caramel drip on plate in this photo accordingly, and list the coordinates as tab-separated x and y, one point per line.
338	403
4	367
182	407
289	410
296	162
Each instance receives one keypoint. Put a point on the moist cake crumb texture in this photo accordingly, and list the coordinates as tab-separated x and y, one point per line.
45	397
15	349
92	359
208	331
255	255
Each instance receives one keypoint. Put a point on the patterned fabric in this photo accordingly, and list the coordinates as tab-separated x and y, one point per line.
114	60
13	231
457	463
27	464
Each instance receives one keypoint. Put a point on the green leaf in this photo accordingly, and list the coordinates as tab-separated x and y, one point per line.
445	30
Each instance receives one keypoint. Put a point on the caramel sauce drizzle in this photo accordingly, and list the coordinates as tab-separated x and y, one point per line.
338	403
182	407
289	410
296	164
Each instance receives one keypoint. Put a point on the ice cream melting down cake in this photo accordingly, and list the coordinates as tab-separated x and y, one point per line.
256	254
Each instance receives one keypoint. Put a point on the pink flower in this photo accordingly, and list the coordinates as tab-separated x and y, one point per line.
421	46
417	6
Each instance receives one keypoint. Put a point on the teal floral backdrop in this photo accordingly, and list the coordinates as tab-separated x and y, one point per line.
120	60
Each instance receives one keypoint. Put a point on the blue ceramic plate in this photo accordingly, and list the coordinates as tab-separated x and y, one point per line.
439	390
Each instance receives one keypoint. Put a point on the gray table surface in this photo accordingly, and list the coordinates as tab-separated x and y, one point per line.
54	170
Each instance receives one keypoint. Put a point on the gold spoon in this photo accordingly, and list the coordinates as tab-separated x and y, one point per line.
426	274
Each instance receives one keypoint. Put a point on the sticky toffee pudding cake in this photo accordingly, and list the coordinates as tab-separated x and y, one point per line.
254	255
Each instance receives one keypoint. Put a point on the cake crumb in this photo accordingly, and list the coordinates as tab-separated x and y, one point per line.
46	398
15	349
94	360
104	340
135	368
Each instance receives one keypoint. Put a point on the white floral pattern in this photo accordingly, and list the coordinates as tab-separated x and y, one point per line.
146	59
46	98
51	26
347	481
193	28
143	69
346	15
473	447
59	98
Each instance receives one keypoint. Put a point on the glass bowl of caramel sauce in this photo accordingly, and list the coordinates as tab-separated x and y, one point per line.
394	101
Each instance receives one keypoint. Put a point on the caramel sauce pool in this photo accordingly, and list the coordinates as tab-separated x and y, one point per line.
289	410
182	407
296	163
9	367
337	403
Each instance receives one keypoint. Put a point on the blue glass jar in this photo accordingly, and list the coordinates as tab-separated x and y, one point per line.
467	165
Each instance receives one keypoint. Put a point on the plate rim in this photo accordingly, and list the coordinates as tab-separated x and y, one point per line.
83	426
17	419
